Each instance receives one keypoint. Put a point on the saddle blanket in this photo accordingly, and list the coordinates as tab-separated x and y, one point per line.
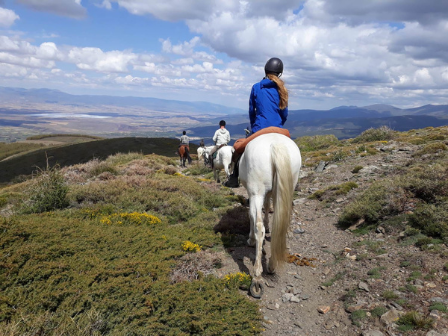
241	144
216	152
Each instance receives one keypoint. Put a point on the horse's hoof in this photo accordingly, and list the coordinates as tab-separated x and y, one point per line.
270	269
256	289
250	242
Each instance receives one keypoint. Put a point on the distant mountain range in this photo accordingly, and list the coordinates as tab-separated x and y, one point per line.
346	121
47	96
37	111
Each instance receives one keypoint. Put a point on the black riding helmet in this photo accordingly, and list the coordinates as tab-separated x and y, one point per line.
222	123
274	66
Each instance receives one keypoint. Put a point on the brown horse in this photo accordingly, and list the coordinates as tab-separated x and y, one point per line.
184	154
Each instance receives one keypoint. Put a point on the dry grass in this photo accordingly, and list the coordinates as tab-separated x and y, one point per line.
192	266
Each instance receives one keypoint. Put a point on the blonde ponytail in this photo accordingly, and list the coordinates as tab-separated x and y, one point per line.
282	92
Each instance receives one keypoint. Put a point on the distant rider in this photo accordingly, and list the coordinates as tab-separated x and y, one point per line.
185	141
268	106
221	138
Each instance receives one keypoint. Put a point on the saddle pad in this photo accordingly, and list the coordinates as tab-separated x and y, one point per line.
216	152
241	144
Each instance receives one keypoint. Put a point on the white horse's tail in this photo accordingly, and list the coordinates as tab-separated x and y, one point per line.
282	194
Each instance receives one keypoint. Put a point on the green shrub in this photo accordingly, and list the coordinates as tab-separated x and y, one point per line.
431	220
414	275
388	198
389	295
102	167
68	266
438	306
316	142
413	320
378	311
357	316
411	288
198	169
431	149
330	193
357	169
375	272
47	192
120	158
375	134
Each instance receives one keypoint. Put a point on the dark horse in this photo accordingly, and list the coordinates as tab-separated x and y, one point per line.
184	155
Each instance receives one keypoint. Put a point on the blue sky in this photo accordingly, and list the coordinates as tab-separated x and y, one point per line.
349	53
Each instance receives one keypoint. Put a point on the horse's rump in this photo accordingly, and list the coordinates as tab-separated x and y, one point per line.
240	144
183	150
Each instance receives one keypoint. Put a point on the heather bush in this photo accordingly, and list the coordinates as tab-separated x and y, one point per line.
375	134
424	187
316	142
46	192
330	193
431	149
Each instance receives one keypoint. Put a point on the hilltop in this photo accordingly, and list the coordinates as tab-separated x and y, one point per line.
369	216
81	152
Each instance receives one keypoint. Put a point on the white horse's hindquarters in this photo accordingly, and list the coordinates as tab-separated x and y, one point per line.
254	172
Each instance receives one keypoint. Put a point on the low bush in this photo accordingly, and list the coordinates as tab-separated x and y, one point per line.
316	142
389	295
413	320
67	268
331	192
425	188
378	311
198	169
375	134
358	316
46	192
438	306
357	169
431	149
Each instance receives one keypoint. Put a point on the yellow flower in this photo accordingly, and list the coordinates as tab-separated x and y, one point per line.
190	247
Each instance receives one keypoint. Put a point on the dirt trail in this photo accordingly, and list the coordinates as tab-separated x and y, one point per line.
313	234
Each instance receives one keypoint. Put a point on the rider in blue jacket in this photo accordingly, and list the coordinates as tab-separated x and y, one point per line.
265	109
268	105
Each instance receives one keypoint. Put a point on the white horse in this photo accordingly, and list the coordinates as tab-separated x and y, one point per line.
200	152
223	160
269	167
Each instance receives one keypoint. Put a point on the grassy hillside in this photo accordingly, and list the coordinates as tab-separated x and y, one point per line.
9	149
66	138
83	152
115	253
126	245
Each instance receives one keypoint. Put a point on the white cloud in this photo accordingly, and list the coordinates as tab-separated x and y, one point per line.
9	70
7	17
131	80
98	60
333	51
105	4
70	8
171	10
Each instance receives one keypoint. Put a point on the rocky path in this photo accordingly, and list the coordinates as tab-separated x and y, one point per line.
306	300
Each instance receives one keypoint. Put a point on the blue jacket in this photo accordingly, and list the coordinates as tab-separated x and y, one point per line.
264	110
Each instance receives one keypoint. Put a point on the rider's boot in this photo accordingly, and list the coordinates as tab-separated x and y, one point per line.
233	182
